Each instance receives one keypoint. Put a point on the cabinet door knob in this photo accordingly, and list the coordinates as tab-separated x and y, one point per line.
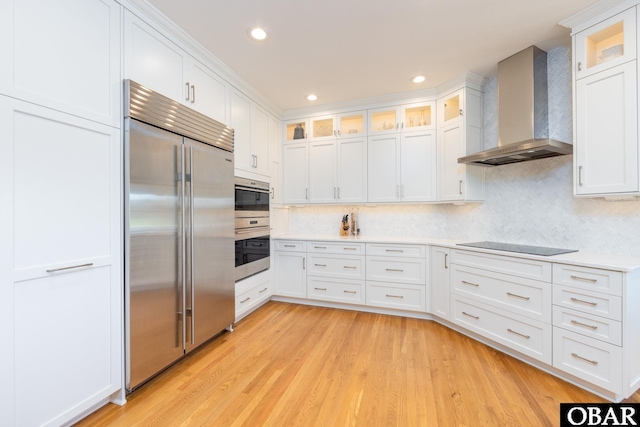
579	66
188	92
461	111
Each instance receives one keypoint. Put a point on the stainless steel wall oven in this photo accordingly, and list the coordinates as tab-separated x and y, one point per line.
252	227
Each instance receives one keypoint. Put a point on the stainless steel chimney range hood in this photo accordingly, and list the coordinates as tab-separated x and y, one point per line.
523	113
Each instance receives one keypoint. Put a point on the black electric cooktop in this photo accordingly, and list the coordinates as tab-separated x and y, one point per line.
523	249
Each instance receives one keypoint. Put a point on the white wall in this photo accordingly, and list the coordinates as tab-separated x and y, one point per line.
528	203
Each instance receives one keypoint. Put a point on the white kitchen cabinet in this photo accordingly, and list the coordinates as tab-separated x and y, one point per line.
606	134
338	171
259	140
402	167
64	55
459	134
607	44
291	274
396	276
275	160
61	270
250	125
159	64
252	292
605	106
296	130
295	173
333	126
440	282
209	92
402	118
336	272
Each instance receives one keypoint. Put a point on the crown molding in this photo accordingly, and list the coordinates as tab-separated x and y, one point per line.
591	15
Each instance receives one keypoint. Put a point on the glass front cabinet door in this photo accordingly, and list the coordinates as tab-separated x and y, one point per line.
607	44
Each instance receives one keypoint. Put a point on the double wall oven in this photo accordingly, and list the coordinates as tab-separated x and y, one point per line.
252	227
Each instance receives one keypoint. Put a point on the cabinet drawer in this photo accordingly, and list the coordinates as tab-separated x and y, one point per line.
336	248
392	250
521	267
397	270
351	267
393	295
336	290
595	361
525	335
604	305
586	324
252	297
526	297
290	246
595	279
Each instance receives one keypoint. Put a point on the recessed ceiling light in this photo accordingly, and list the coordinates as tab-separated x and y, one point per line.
312	97
418	79
257	33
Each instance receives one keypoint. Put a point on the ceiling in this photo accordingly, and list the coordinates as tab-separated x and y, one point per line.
343	50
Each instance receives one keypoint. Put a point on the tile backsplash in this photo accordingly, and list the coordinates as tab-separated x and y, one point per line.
527	203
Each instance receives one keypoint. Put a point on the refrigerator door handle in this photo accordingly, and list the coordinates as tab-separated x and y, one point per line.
190	311
181	292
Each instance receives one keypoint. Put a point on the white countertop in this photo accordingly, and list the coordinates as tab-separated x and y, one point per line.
624	263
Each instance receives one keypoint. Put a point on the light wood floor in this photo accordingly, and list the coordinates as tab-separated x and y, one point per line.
296	365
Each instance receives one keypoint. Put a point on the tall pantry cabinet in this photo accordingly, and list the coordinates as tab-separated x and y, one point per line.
605	75
60	216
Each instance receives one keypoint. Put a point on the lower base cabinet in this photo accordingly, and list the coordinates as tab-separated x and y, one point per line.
291	264
252	292
581	322
336	290
400	296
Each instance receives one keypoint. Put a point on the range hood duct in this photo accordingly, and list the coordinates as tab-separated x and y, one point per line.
523	113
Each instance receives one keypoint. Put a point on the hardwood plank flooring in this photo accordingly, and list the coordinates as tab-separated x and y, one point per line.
297	365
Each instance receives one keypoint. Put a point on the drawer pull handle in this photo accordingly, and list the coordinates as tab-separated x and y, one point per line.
470	315
593	362
350	249
320	289
320	247
70	268
289	246
349	292
349	266
263	290
469	283
518	333
394	250
574	322
518	296
395	296
243	301
584	279
320	265
584	302
395	269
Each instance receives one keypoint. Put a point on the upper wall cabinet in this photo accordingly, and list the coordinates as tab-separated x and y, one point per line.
250	124
157	63
605	45
63	55
459	134
605	109
296	130
329	127
347	125
409	117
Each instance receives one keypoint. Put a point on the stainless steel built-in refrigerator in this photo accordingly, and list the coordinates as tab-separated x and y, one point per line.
179	231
